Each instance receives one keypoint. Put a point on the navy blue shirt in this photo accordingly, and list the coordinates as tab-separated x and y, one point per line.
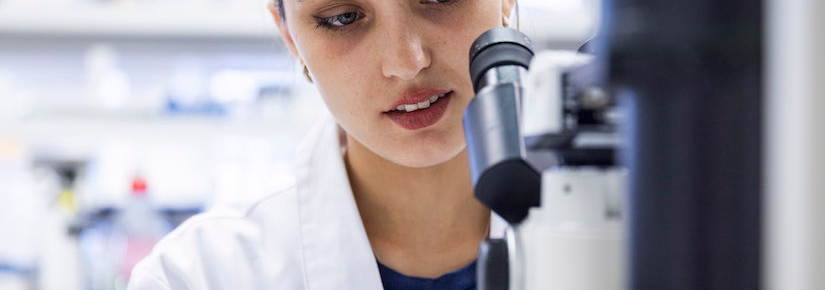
461	279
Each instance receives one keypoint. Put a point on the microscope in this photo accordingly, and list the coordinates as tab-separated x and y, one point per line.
566	222
687	150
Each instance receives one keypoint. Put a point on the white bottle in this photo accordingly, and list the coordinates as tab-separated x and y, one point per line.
140	226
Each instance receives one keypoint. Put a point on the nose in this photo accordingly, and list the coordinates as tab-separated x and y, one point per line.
404	53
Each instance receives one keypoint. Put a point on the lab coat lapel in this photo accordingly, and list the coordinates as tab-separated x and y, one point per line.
337	253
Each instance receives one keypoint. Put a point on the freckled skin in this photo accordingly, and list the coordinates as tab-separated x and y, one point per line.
397	45
412	187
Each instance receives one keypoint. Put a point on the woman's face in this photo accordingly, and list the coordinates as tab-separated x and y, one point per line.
370	58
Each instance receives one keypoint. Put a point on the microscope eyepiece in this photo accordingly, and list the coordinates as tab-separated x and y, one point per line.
502	179
498	47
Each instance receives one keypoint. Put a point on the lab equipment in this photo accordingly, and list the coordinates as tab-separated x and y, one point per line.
675	92
140	226
794	222
577	230
691	78
113	240
502	179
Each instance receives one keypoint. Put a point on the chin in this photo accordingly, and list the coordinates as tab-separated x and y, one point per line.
427	156
429	149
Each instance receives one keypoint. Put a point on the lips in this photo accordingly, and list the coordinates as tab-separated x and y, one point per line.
418	118
414	97
420	105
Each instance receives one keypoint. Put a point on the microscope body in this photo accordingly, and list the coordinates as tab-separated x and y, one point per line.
574	239
565	222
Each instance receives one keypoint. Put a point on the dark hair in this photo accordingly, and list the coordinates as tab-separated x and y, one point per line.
280	5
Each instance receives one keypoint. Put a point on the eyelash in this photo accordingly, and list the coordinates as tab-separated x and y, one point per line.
326	22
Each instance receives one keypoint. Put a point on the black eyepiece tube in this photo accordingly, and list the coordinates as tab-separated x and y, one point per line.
502	180
498	47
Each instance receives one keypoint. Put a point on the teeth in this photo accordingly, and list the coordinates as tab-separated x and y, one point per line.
422	105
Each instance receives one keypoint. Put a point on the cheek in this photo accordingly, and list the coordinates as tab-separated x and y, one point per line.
348	106
340	79
332	58
458	30
453	43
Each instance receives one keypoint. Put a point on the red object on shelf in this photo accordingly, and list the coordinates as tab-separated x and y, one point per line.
138	186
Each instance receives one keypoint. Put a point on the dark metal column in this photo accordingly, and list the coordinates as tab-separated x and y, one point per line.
690	75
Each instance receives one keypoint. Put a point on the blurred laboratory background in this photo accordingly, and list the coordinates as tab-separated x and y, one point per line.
119	119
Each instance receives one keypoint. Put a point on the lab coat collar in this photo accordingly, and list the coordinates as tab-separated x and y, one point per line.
337	253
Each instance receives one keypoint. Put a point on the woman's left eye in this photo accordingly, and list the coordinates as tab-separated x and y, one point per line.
340	20
344	19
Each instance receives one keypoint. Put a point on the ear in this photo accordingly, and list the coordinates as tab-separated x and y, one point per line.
283	29
507	7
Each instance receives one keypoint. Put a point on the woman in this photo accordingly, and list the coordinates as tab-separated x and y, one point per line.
382	197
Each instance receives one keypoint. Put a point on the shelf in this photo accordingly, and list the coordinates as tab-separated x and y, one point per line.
244	20
251	20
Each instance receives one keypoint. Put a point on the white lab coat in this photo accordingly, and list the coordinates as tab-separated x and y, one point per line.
307	236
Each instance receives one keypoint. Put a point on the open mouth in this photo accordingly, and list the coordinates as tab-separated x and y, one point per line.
406	108
422	114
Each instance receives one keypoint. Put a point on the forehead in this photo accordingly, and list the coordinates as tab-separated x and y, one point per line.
321	1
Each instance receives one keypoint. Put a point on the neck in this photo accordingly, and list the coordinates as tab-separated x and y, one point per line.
422	222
